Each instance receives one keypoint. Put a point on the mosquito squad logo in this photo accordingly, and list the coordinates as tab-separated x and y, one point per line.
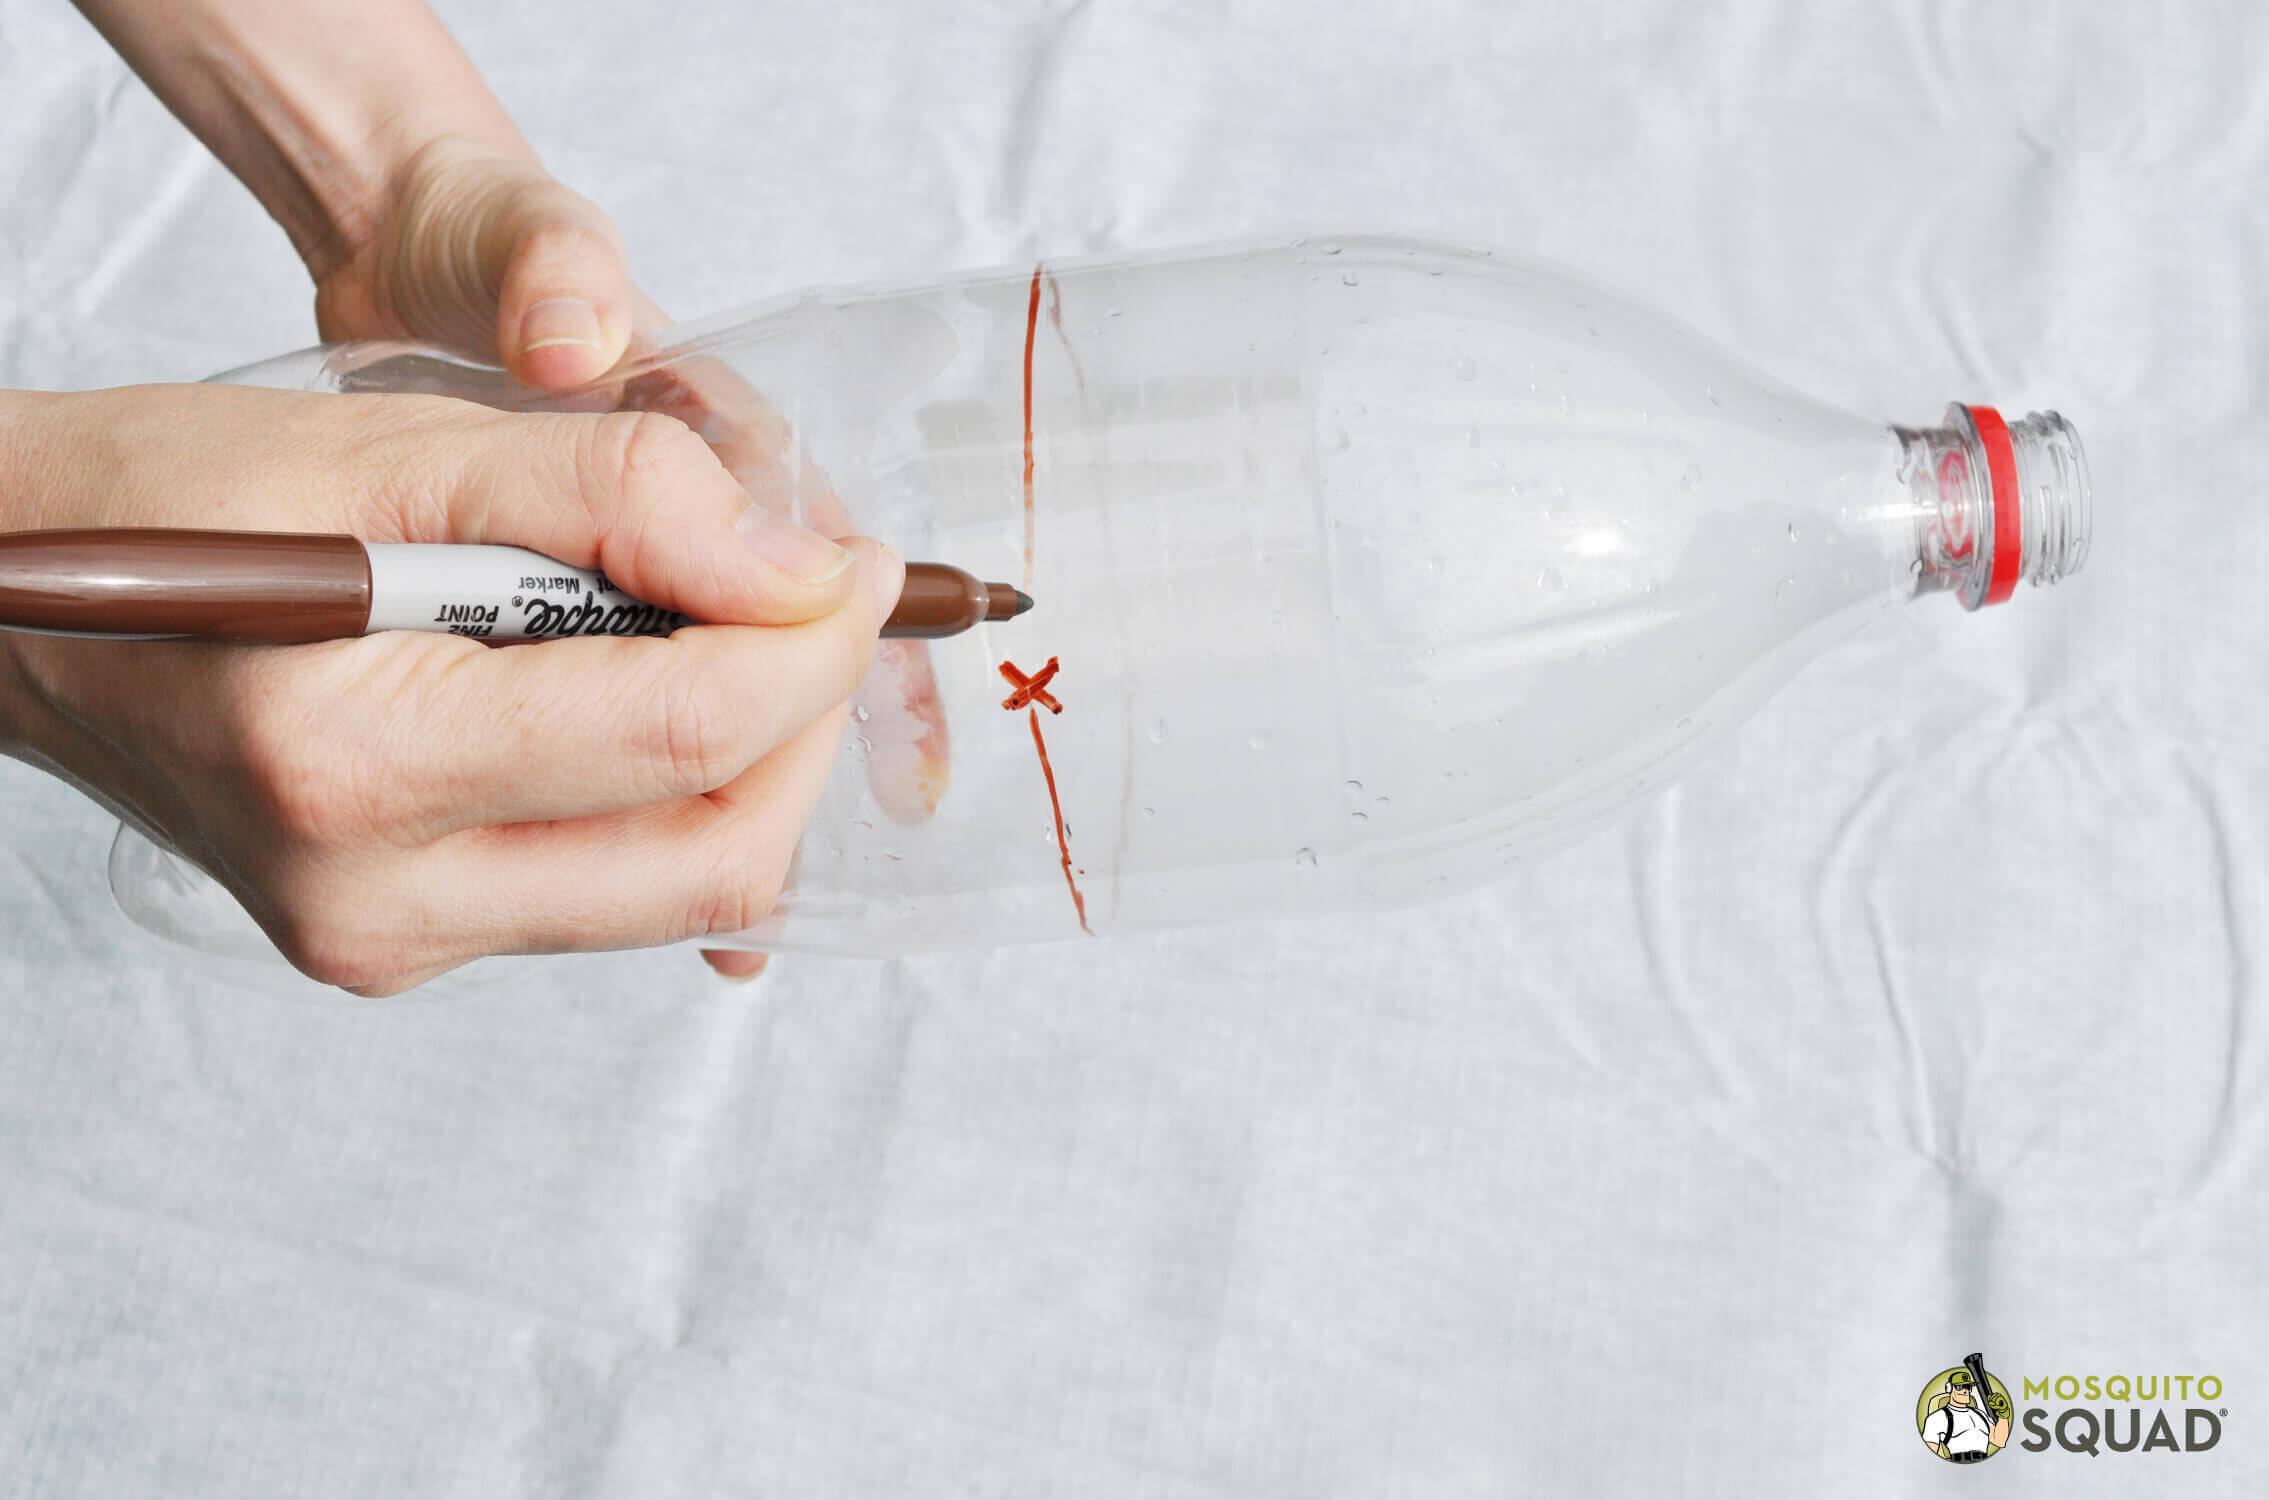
2124	1414
1964	1412
1966	1415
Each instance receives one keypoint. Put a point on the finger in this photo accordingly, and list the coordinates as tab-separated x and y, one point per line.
576	727
909	762
735	965
747	433
634	494
564	310
909	748
699	867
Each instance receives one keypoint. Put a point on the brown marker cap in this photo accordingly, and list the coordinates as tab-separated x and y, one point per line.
219	585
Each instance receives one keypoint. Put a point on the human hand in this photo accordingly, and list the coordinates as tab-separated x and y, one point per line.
390	807
477	248
418	209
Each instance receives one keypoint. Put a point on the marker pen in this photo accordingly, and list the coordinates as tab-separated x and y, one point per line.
159	584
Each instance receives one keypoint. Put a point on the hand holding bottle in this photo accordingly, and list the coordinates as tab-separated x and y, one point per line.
390	807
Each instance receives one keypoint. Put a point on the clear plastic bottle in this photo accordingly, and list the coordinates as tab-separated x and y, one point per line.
1369	566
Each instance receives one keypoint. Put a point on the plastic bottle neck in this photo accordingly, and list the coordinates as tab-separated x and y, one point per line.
1995	502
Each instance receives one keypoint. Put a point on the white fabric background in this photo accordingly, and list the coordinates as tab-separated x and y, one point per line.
1925	1017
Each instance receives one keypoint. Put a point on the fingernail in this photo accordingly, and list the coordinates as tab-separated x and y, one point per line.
888	577
560	321
789	547
735	967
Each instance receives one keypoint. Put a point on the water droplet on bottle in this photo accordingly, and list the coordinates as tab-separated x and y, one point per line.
1792	531
1110	312
1347	278
1687	722
1691	477
1567	407
1258	739
1355	786
1157	731
859	713
1380	801
1356	817
1148	813
1549	580
1780	590
1305	859
1434	563
1329	249
1713	395
1356	408
1336	438
1462	368
866	746
866	823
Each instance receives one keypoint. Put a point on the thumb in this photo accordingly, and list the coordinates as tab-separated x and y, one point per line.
564	297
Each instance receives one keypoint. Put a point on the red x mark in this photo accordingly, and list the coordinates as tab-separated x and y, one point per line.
1033	689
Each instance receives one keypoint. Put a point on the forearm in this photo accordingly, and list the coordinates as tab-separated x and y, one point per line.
314	104
31	467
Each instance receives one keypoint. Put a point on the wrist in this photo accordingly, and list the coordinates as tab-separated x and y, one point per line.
298	102
345	121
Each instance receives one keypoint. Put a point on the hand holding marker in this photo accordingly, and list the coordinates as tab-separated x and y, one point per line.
387	808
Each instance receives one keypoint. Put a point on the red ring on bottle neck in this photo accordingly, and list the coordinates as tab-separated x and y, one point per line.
2008	528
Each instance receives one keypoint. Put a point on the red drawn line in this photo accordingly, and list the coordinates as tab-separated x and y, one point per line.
1032	695
1031	336
1031	692
1033	689
1063	844
1056	319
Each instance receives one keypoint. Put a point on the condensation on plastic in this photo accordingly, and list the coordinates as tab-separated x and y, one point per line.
1370	566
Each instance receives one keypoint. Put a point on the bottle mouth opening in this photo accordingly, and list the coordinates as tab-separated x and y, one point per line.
2038	504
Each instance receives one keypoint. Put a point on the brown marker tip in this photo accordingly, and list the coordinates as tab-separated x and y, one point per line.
1004	602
